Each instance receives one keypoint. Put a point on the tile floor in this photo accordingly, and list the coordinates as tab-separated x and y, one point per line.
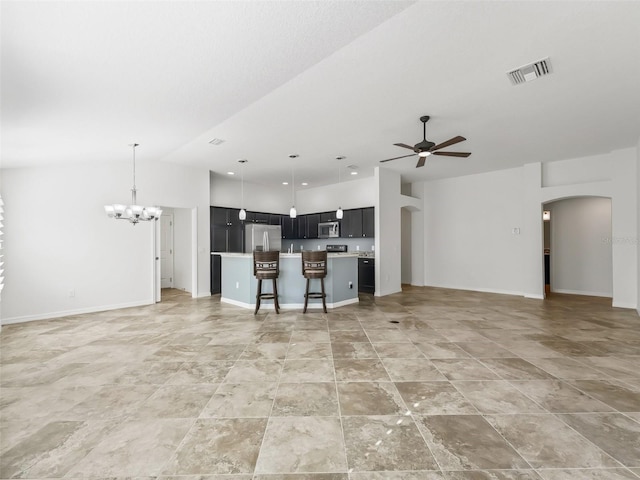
428	384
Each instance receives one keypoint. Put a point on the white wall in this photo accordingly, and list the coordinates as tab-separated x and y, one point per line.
468	228
182	249
468	224
581	261
637	236
225	192
58	238
405	247
348	194
389	202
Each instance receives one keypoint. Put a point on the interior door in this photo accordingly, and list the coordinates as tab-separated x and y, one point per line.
166	251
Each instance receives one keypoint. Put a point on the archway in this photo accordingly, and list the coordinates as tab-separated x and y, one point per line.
579	246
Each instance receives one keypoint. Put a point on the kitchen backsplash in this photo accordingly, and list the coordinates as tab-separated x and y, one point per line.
353	244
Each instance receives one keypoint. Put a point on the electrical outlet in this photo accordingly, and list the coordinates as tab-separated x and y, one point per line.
350	284
72	293
237	284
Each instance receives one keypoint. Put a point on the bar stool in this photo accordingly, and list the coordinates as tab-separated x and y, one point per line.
314	265
266	266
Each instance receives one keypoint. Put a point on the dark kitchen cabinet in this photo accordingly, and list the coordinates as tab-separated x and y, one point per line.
366	275
351	226
227	231
302	227
262	218
275	219
368	222
328	216
216	274
312	225
289	227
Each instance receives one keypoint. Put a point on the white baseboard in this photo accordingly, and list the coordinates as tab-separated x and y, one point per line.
65	313
625	305
483	290
581	292
536	296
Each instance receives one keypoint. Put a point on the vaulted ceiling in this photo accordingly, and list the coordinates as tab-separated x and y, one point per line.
82	80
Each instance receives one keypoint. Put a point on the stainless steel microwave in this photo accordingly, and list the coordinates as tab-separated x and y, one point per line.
329	230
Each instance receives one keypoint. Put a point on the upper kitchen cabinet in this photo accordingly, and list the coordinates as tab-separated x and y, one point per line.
289	227
368	222
312	225
351	225
275	219
221	216
226	230
358	222
302	227
328	216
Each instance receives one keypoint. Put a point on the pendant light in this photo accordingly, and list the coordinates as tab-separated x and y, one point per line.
292	211
243	213
134	212
339	212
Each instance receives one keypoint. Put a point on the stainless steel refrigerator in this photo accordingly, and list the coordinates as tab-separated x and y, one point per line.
262	238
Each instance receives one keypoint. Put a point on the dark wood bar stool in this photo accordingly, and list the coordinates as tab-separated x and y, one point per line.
314	265
266	266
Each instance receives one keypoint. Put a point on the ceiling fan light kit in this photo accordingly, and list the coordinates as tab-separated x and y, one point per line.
426	148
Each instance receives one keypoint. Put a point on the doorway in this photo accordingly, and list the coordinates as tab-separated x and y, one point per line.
578	247
175	260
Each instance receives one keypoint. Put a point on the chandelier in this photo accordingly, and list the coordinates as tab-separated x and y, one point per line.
134	212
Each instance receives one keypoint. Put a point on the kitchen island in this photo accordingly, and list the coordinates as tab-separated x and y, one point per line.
239	286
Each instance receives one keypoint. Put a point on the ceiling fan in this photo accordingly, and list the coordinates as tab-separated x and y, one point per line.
425	148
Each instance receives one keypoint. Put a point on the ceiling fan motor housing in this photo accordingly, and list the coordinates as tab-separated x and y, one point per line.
423	146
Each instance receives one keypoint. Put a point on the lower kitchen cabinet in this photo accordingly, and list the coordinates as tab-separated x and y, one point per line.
216	276
367	275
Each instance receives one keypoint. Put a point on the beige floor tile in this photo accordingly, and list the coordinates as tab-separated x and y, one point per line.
316	370
385	443
219	446
467	442
93	395
370	398
497	396
434	398
302	444
544	440
559	397
302	399
614	433
360	370
254	399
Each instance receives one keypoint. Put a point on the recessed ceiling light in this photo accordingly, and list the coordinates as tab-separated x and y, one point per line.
285	183
354	173
230	173
304	184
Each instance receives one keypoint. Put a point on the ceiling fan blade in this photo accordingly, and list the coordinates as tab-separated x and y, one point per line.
452	154
396	158
403	145
421	162
451	141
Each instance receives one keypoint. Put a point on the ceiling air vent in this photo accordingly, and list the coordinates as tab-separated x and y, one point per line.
530	72
216	141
